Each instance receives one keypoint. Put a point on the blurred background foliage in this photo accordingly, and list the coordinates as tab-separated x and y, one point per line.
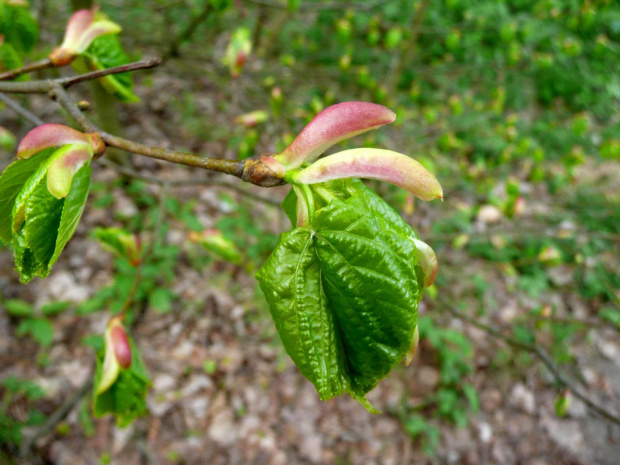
513	105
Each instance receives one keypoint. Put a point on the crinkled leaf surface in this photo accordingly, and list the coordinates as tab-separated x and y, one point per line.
35	223
126	398
11	182
344	293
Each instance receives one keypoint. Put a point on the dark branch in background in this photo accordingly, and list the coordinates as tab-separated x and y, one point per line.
538	352
407	55
17	108
29	68
188	32
59	415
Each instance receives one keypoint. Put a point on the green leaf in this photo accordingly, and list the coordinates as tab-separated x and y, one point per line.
9	58
107	52
344	294
19	28
73	208
126	398
37	224
161	300
40	329
11	182
18	308
54	308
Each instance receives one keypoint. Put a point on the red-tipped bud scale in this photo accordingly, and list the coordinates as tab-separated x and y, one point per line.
332	125
117	354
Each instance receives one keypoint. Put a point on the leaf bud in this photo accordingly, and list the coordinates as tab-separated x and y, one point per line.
117	353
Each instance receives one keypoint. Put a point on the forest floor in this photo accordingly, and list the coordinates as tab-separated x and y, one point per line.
225	392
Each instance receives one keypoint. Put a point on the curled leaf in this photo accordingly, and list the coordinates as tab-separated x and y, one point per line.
117	354
334	124
238	51
61	171
120	243
55	135
383	165
83	27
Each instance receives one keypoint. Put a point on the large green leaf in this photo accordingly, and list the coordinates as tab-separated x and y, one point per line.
126	398
344	293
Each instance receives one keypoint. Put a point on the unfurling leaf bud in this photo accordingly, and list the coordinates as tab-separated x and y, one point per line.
83	27
7	139
120	243
252	119
117	354
56	135
75	149
414	347
427	261
238	51
562	403
332	125
214	241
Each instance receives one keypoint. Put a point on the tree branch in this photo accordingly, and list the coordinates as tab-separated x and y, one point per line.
29	68
17	108
44	86
541	354
188	32
191	182
233	167
135	66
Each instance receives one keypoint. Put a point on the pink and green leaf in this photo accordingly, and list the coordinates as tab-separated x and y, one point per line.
117	354
383	165
50	135
61	171
334	124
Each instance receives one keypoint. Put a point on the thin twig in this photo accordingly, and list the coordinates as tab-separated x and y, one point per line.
190	182
135	66
233	167
29	68
541	354
46	85
188	32
17	108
